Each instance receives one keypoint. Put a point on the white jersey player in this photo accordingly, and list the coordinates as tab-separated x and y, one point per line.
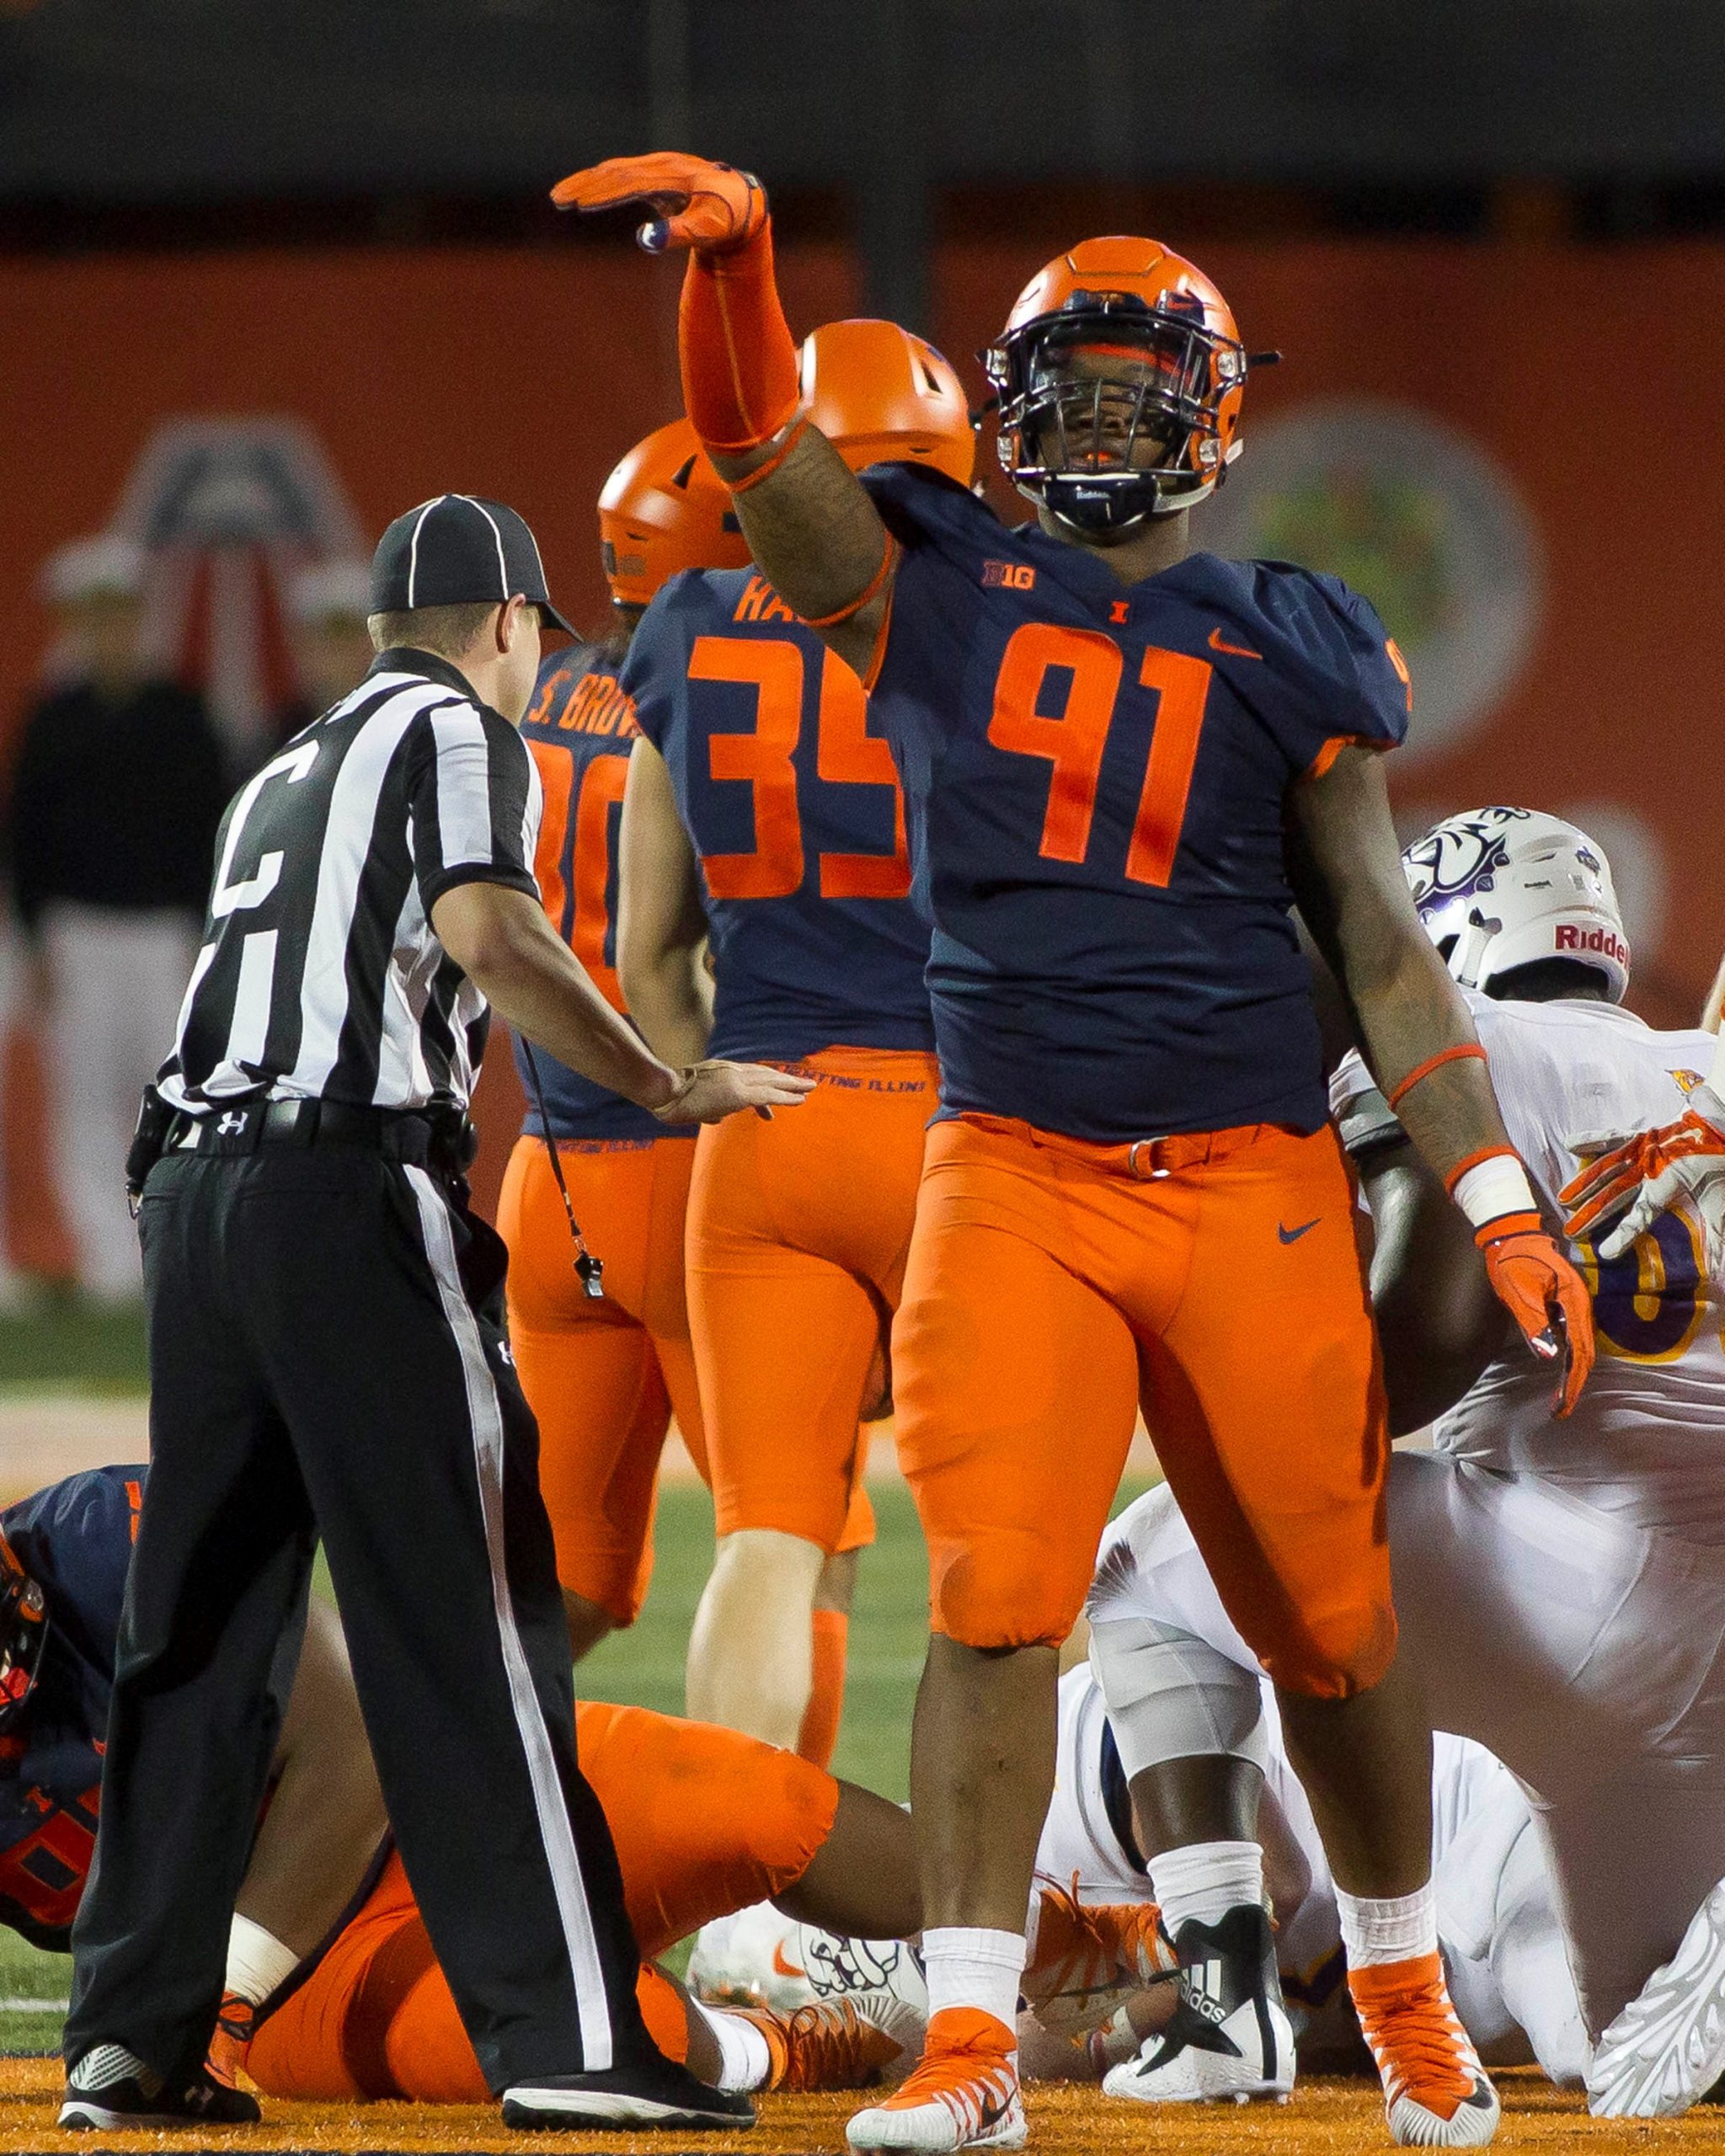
1560	1588
1087	1977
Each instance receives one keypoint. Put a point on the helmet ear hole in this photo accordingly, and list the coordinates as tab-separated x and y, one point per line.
681	476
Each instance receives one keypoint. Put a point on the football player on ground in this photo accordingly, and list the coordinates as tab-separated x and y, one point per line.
1123	762
763	812
606	1371
1089	2008
332	1985
63	1558
1561	1587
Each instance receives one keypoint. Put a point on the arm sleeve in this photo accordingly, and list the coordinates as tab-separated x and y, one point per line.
473	804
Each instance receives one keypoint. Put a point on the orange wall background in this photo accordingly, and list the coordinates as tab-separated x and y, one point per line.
524	373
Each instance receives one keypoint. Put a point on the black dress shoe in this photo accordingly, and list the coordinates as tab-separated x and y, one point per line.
656	2092
111	2090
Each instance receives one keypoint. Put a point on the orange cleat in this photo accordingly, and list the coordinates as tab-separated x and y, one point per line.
1435	2090
963	2094
1088	1956
834	2043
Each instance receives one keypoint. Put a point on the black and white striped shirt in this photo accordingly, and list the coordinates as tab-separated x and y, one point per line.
320	976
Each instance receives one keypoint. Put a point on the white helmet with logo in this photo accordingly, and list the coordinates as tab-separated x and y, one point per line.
1502	887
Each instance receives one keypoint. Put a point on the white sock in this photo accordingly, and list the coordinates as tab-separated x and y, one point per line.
1394	1929
744	2060
258	1963
1204	1880
967	1965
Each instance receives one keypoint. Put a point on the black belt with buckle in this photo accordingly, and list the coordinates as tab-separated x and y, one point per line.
443	1140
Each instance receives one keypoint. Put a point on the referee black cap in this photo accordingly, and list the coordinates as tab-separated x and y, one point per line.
456	550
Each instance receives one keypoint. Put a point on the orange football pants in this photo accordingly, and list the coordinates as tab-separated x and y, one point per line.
798	1230
706	1822
603	1378
1054	1287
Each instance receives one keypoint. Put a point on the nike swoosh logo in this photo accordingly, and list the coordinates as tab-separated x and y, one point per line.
1219	642
1293	1235
781	1967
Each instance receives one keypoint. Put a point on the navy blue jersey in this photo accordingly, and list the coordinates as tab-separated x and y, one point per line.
1099	777
74	1539
793	802
579	729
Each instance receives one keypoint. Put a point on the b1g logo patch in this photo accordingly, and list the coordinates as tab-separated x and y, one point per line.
1010	576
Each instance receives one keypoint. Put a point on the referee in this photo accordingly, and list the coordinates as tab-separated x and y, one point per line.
327	1361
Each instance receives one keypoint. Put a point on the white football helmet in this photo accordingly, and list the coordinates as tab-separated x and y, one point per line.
1502	887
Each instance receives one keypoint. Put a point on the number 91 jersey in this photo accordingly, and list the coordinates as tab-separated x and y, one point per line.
792	802
1645	1440
1097	776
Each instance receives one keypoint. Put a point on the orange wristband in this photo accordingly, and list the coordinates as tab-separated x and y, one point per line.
1432	1062
844	613
767	470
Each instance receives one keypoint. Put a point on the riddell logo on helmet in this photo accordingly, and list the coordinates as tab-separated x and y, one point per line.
1606	942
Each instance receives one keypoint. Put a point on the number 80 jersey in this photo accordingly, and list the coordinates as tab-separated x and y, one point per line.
792	803
1097	776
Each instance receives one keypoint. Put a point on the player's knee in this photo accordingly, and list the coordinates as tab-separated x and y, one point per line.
1336	1653
1007	1589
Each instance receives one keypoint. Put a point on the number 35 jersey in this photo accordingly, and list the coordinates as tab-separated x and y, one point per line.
1098	776
793	805
1647	1439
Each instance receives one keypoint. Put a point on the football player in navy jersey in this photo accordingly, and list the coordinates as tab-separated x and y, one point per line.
605	1373
763	811
64	1554
1125	760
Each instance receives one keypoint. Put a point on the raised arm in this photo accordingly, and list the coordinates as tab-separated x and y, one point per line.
661	930
810	526
1420	1043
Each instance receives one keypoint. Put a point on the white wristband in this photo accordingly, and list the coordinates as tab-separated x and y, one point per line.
1493	1188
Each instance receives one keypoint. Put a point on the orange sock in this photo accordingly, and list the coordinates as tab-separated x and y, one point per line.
740	380
830	1630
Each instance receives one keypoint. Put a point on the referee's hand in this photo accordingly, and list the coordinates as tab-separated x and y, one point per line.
712	1091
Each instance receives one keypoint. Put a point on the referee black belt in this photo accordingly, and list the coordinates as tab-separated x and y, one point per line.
444	1143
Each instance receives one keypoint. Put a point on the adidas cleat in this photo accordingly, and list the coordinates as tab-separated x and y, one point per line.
1667	2047
964	2093
1228	2039
1436	2093
111	2090
850	2042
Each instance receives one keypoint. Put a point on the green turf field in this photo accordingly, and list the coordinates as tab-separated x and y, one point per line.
64	1342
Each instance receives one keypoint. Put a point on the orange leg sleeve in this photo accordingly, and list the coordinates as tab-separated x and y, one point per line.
826	1699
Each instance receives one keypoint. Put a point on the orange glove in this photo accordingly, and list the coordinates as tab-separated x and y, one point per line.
700	203
1545	1294
741	386
1656	1170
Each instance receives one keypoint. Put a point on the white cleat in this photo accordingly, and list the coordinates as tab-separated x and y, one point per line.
750	1960
1667	2047
1228	2039
964	2093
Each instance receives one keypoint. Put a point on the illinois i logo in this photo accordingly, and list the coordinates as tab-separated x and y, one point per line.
228	511
1416	518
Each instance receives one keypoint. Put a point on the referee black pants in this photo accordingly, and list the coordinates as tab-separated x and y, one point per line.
326	1360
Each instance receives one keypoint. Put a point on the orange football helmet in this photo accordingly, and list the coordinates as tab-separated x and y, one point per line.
1117	344
665	509
881	395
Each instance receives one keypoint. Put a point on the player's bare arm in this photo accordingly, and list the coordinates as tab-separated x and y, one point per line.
1420	1042
500	938
326	1817
810	525
661	933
